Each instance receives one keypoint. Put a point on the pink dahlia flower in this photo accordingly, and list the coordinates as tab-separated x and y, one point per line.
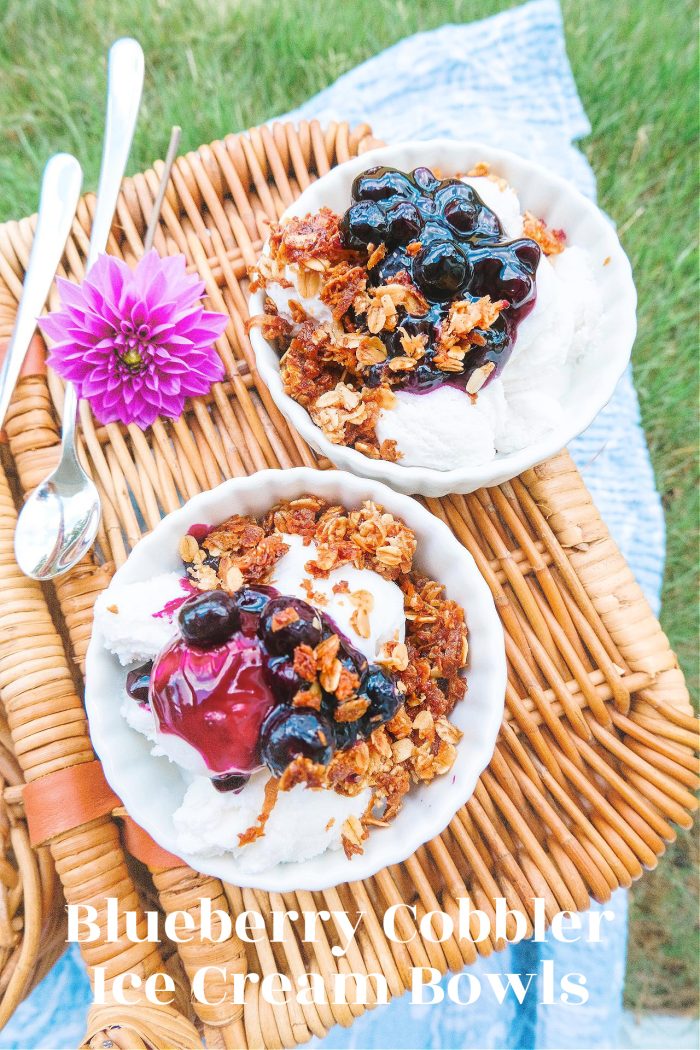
136	343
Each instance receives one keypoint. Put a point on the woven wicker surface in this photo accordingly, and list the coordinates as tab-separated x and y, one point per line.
595	762
32	916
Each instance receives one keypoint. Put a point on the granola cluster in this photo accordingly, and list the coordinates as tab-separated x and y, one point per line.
419	741
386	326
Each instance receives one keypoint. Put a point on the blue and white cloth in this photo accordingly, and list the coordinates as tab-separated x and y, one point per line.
506	81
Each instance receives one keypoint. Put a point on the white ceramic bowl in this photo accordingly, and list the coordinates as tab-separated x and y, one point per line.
152	788
593	379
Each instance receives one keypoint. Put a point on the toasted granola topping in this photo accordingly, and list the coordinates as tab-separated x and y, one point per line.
479	377
283	617
363	602
351	710
400	725
376	256
370	352
483	170
393	656
231	576
551	241
343	284
309	240
353	835
257	830
413	345
305	663
303	771
189	548
310	697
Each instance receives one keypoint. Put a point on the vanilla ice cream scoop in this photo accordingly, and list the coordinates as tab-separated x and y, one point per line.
386	615
282	296
137	619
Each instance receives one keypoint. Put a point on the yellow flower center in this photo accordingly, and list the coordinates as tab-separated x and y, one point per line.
132	359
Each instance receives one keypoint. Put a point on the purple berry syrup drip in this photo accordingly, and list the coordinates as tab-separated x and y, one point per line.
464	254
226	683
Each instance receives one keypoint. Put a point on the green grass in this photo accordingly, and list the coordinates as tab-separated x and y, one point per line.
220	67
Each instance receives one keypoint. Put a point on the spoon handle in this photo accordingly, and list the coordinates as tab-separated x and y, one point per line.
124	86
60	190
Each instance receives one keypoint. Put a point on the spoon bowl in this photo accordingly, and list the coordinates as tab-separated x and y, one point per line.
59	522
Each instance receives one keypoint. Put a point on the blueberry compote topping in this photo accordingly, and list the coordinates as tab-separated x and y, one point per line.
215	699
226	685
452	247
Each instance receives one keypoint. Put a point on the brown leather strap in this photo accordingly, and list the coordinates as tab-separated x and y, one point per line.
140	845
34	363
65	800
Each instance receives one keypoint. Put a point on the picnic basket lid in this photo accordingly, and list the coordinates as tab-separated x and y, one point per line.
595	762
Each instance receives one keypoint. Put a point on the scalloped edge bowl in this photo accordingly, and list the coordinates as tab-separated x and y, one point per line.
594	378
151	788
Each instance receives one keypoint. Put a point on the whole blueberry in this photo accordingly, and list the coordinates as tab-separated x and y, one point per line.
349	733
505	271
288	622
460	205
138	681
403	223
528	253
424	179
295	732
374	376
363	223
234	782
425	376
208	619
383	694
487	227
441	269
381	184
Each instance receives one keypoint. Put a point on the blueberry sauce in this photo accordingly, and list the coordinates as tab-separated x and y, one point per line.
175	604
452	247
226	684
215	699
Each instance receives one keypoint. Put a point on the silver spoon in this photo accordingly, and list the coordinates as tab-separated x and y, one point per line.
58	523
60	192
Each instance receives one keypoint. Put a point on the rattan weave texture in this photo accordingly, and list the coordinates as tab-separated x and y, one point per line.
595	762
